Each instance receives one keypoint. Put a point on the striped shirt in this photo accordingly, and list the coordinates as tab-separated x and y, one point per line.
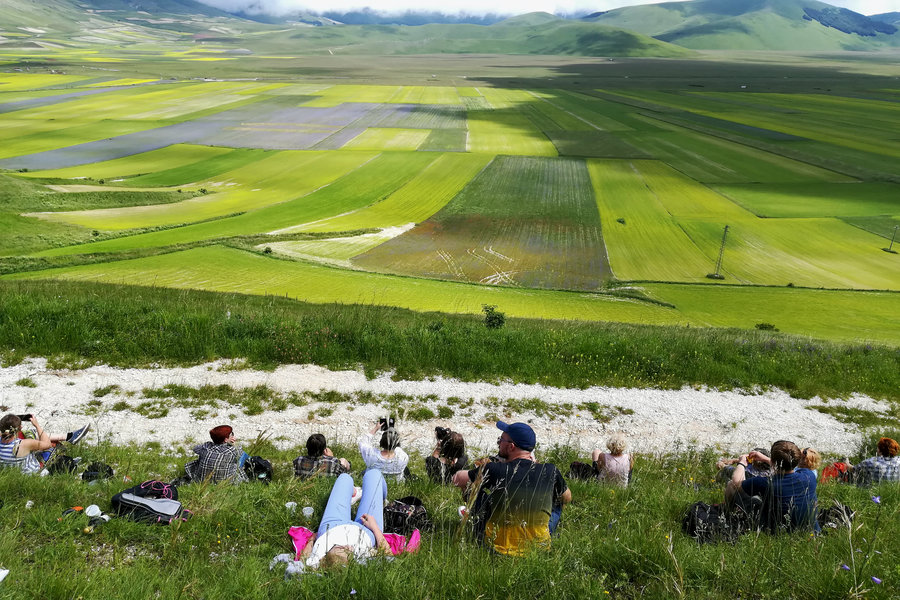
29	464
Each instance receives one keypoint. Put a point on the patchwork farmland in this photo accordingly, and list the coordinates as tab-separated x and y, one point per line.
575	202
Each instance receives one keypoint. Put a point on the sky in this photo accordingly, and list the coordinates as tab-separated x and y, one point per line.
479	7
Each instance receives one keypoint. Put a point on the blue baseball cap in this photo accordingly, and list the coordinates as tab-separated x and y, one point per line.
521	434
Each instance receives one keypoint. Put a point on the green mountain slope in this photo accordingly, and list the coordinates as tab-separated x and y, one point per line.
536	33
806	25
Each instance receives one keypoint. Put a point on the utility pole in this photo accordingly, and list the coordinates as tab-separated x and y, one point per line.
891	247
718	275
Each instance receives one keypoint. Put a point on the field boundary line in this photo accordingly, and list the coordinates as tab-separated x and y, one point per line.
570	113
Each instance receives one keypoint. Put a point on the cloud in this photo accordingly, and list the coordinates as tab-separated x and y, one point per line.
479	7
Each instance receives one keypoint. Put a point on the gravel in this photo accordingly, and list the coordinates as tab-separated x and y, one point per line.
653	420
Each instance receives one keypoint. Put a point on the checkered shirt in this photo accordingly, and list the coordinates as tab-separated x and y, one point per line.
306	466
877	469
216	462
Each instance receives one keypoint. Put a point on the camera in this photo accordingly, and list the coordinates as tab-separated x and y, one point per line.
442	433
24	418
386	423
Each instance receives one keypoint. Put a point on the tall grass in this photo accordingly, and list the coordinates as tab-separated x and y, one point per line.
612	543
79	323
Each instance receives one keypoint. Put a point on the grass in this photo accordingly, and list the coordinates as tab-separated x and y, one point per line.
612	542
80	323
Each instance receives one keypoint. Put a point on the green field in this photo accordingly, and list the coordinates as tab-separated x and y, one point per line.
522	222
576	176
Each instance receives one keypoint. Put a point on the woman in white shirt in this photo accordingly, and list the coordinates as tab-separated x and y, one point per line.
390	459
339	537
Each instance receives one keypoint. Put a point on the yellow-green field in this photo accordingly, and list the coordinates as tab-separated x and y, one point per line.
576	190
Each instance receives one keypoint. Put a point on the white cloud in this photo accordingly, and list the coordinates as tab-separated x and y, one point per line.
479	7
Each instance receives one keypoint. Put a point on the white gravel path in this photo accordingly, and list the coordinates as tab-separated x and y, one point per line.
661	419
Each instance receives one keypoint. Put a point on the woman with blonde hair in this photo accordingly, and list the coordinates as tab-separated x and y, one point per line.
614	466
611	467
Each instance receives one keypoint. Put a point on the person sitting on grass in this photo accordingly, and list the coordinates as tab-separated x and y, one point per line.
610	467
755	468
339	537
788	496
29	454
519	502
448	457
810	459
884	466
319	459
390	459
218	460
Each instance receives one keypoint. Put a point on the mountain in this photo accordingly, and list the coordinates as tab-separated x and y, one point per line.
800	25
534	33
83	23
892	18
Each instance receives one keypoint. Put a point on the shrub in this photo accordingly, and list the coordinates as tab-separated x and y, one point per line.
766	327
493	319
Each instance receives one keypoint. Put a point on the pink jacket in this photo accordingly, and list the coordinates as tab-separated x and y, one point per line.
397	542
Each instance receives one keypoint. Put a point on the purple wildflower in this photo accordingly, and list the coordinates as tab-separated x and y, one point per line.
876	499
845	567
875	579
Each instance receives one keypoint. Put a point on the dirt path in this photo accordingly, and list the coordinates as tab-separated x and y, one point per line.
654	420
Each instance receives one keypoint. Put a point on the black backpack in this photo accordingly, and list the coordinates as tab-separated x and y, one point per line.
150	502
97	470
405	515
62	464
710	523
258	469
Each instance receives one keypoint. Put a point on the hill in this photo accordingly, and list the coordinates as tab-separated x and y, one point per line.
134	22
892	18
799	25
534	33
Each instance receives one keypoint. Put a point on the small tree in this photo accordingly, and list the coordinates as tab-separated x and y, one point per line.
493	319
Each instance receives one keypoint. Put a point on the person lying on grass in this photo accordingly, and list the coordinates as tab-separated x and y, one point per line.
218	460
29	454
339	537
319	460
788	496
518	502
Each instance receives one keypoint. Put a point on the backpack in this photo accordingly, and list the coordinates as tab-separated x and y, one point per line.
405	515
150	502
837	471
62	464
836	516
582	471
258	469
710	523
97	470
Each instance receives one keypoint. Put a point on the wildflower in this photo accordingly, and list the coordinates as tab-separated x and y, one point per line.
845	567
875	580
876	499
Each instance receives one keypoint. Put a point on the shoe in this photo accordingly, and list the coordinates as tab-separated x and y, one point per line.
78	434
357	494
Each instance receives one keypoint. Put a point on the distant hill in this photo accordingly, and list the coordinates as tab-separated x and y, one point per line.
534	33
804	25
87	22
892	18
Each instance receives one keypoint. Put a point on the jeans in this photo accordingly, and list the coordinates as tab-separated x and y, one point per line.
337	510
555	516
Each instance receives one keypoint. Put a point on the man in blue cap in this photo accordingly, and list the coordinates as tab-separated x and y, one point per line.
518	501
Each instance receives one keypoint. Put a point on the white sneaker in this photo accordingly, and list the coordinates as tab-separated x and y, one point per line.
357	494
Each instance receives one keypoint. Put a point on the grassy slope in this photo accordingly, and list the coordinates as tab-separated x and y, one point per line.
83	320
740	25
614	543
